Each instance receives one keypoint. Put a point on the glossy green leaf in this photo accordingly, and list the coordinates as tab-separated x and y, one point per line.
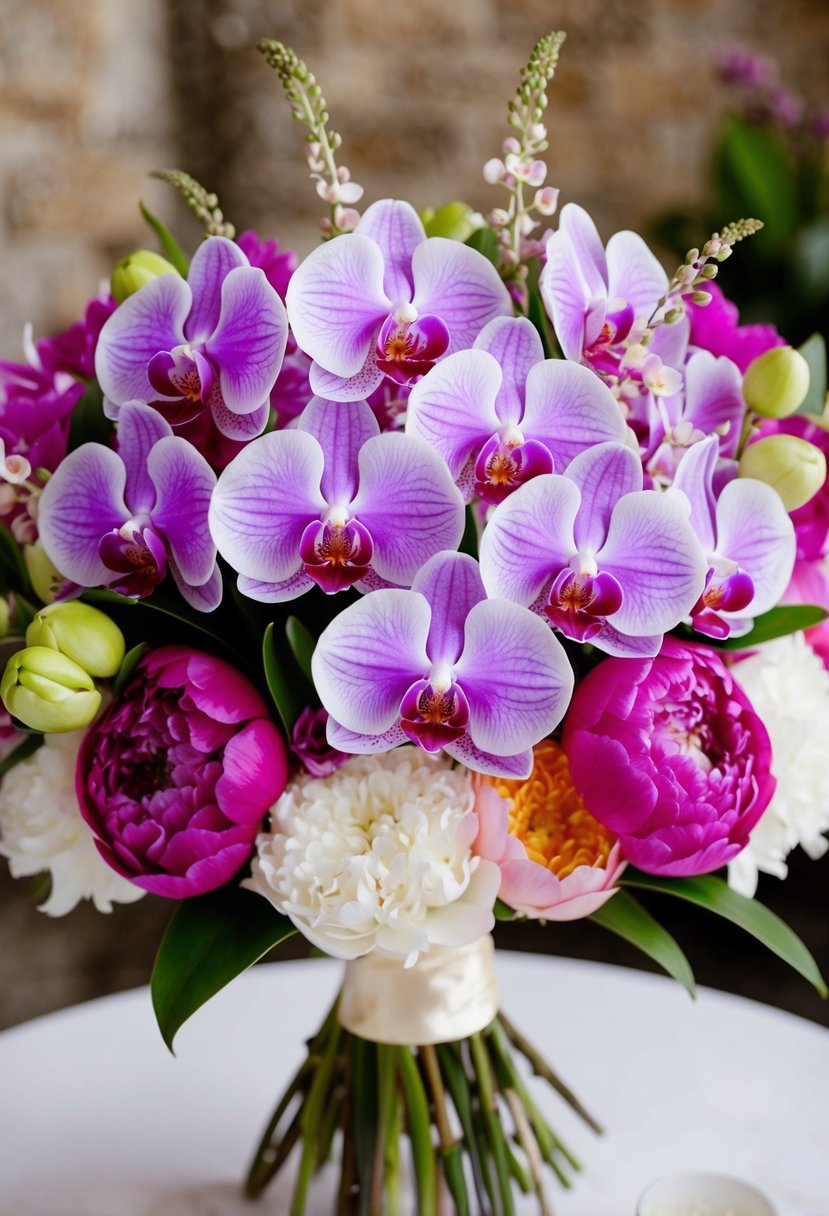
302	645
281	678
89	423
485	241
785	619
755	918
171	249
128	665
813	351
753	177
209	941
628	919
469	540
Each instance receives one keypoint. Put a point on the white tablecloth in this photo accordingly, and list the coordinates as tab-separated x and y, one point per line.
97	1119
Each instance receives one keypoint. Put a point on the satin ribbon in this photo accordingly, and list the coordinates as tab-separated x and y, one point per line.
450	993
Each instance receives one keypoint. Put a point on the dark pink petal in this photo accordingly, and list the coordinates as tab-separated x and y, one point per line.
396	227
216	687
341	429
452	584
515	345
212	263
453	407
81	502
248	344
150	321
184	482
460	286
205	874
255	769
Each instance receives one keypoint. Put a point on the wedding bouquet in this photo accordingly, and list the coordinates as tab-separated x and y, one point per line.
458	572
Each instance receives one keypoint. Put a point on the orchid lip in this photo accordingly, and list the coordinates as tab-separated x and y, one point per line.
580	602
434	714
335	555
136	555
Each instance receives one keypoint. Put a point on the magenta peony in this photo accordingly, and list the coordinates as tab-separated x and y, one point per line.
177	774
714	327
669	754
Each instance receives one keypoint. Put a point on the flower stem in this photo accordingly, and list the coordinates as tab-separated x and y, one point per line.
492	1122
542	1069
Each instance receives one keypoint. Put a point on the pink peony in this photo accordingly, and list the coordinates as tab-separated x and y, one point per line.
177	774
310	744
669	754
714	328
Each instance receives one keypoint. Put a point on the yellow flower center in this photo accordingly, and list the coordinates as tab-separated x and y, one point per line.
550	819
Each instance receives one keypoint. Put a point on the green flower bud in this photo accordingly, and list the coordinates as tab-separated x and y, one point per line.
48	691
452	220
43	573
795	468
136	270
776	383
85	635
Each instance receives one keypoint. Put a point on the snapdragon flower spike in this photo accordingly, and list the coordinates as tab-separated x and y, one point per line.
122	520
386	301
747	537
333	502
710	403
500	414
444	667
215	341
603	560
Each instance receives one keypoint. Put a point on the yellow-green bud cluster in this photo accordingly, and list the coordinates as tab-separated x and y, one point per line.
136	270
795	468
776	383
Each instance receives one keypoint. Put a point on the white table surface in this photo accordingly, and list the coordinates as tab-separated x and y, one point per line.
97	1119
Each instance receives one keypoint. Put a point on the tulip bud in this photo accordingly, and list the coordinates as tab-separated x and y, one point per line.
136	270
453	220
85	635
793	467
48	691
776	383
43	573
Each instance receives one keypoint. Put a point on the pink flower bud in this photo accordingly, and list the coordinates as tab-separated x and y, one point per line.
546	200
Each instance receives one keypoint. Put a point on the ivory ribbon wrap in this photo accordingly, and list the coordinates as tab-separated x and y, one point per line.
448	994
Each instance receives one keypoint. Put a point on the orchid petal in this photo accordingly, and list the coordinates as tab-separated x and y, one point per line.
396	227
139	428
573	284
621	645
569	409
83	500
634	273
361	745
755	531
515	346
340	429
249	342
336	302
460	286
347	388
582	235
275	593
409	504
453	406
694	479
529	537
150	321
604	474
515	675
452	584
184	482
242	427
204	598
263	502
670	342
714	398
517	767
657	559
212	263
368	656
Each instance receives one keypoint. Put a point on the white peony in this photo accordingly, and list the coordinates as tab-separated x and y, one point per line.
41	828
378	855
788	686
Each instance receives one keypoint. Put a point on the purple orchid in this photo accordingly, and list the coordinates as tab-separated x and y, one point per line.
712	403
747	537
500	414
213	341
386	301
333	502
120	520
603	560
442	666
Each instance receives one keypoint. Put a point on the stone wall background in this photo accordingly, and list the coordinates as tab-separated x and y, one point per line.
95	93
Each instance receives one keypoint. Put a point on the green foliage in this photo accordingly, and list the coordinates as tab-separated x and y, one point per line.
777	623
13	573
624	916
302	645
128	666
486	242
89	423
813	351
171	249
753	175
291	690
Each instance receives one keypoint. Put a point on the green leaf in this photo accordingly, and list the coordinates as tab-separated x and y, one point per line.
285	689
755	918
786	618
485	241
128	665
753	176
209	941
302	645
503	911
627	918
469	540
537	313
13	573
813	351
89	423
173	252
419	1123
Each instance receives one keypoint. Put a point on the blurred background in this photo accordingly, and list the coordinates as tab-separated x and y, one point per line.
644	132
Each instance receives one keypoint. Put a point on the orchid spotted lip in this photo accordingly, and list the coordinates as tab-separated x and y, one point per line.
603	560
500	414
215	340
120	520
333	502
386	301
442	666
748	539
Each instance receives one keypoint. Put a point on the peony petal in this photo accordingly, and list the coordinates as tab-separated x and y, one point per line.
212	263
634	274
150	321
82	500
368	656
254	772
528	887
493	825
396	227
248	344
263	501
657	559
603	474
451	582
714	398
755	531
694	479
336	302
529	538
569	409
515	346
453	406
139	428
341	429
409	504
515	675
460	286
184	482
